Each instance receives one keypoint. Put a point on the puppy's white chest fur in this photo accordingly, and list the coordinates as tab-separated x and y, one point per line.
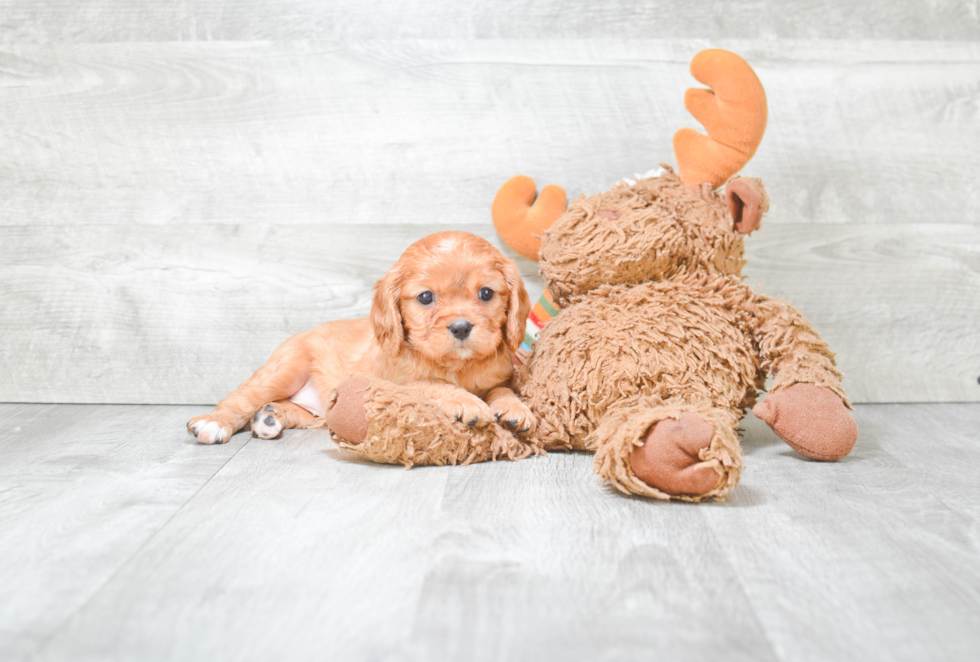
308	398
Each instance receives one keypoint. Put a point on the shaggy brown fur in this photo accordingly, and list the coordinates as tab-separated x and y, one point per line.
660	347
631	234
395	424
657	321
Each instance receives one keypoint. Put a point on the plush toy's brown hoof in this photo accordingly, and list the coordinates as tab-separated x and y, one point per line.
345	413
668	459
811	419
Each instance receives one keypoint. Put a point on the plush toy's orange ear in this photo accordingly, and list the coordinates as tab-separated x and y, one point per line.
520	219
733	112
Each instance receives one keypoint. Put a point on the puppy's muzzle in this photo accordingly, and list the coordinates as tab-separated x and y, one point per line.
460	329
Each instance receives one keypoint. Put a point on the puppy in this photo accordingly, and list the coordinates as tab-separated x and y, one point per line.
445	319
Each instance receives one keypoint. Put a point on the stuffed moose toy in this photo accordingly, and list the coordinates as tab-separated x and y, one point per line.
658	348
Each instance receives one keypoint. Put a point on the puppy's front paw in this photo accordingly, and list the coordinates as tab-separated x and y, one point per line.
209	429
467	408
267	422
513	414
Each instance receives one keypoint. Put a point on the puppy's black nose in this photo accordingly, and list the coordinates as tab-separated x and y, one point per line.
461	329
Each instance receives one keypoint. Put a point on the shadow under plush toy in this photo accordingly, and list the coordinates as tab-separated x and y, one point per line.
659	348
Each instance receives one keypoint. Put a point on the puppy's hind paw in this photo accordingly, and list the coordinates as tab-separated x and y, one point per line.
267	422
209	430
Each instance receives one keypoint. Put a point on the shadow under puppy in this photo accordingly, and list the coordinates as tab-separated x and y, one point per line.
444	321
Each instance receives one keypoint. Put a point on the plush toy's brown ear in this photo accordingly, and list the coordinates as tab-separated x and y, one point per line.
518	306
386	315
747	202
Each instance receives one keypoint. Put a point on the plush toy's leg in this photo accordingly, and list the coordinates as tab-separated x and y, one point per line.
271	419
687	451
393	424
806	406
811	419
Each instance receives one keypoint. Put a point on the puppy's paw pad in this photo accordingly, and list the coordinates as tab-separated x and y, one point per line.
209	431
267	422
514	415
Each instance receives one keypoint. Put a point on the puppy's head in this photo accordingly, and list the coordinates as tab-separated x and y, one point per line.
451	297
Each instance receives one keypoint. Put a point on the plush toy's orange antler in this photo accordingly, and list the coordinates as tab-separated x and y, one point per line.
733	112
520	219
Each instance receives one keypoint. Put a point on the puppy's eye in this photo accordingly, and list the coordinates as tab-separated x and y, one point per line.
425	298
486	294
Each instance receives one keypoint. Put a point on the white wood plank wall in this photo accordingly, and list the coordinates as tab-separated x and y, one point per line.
184	185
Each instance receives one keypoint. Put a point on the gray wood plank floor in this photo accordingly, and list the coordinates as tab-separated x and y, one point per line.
121	539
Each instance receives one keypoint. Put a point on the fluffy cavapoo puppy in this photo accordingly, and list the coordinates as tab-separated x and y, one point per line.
445	319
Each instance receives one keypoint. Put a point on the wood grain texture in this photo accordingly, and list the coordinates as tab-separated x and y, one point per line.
899	305
170	212
180	314
183	314
81	490
860	539
422	131
296	550
183	185
152	20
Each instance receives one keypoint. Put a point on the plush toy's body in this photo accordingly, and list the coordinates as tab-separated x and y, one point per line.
659	347
655	321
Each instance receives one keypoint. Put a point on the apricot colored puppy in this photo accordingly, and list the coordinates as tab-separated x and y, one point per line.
445	320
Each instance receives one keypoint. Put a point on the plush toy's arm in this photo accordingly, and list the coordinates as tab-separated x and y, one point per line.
806	406
792	351
395	424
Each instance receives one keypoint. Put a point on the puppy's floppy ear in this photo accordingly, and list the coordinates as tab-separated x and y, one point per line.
518	305
386	314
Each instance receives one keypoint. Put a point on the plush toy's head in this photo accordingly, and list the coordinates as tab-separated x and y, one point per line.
649	230
659	226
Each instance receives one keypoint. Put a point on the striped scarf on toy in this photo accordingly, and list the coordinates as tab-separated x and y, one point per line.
542	311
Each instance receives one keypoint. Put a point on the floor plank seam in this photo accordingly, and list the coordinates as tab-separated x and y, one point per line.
75	614
763	630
